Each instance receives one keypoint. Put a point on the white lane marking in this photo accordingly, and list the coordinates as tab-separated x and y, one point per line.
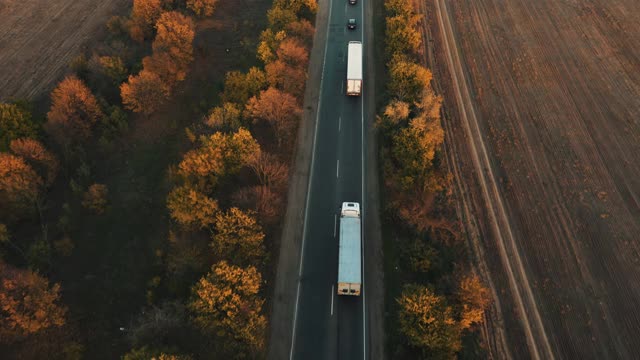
306	210
331	300
335	224
364	302
339	123
338	168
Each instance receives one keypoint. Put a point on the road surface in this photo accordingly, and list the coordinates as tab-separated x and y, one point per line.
327	326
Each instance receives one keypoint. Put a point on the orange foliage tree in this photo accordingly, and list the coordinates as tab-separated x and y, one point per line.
144	15
19	183
202	7
278	108
144	93
219	155
74	110
303	30
238	237
191	208
95	198
286	78
27	303
172	47
263	200
474	299
226	302
269	170
293	53
38	156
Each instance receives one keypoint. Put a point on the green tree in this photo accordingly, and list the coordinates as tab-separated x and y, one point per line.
15	123
428	323
226	302
239	237
113	67
191	208
27	304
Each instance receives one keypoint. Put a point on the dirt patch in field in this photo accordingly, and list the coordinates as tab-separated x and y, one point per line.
556	88
38	39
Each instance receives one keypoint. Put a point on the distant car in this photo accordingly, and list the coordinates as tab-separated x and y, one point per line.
352	2
351	24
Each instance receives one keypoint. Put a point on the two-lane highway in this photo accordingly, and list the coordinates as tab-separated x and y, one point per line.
328	326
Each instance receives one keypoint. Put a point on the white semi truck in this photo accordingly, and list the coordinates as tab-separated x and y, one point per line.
354	69
349	253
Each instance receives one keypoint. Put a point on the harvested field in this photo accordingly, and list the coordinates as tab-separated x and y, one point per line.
544	139
38	39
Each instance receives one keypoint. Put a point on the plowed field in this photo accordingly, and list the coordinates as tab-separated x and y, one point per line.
39	38
551	95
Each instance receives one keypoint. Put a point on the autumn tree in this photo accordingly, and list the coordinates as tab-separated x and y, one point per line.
172	47
95	198
238	237
262	199
27	303
399	7
269	42
240	87
227	117
202	8
19	183
219	155
414	149
144	15
144	93
293	53
269	169
74	110
226	302
286	78
277	108
280	17
474	299
148	353
402	35
408	80
113	67
37	156
190	207
303	30
15	123
427	322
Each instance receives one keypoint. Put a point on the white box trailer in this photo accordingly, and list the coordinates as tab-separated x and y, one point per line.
354	69
349	253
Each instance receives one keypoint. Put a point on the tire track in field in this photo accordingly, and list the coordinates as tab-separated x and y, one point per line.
527	308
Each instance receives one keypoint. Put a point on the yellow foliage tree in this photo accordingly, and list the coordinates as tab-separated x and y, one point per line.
239	87
27	304
226	301
172	47
238	236
427	322
202	7
227	117
474	298
191	208
402	35
408	80
144	15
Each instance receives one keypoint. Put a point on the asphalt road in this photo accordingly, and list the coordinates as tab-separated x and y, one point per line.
327	326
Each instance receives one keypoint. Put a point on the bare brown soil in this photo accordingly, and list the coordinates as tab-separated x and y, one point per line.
544	139
38	39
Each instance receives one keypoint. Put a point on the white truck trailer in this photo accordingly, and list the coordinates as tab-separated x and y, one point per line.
349	253
354	69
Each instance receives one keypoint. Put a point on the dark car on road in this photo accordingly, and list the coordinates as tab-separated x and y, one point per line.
351	24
